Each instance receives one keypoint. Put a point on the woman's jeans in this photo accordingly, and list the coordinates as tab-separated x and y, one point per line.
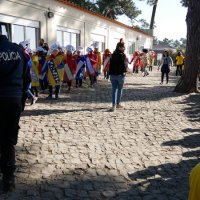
117	88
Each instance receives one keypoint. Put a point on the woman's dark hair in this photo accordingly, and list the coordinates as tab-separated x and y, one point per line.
179	53
145	50
167	53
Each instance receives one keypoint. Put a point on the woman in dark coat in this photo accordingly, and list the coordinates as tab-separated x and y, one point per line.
166	64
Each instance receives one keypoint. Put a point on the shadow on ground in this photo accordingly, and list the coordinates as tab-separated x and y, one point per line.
70	185
193	110
38	112
163	182
101	93
168	181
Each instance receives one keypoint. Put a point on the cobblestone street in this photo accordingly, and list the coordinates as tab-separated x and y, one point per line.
74	148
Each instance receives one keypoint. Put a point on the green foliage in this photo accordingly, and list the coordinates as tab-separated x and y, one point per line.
85	4
151	2
111	8
144	24
185	2
129	9
180	45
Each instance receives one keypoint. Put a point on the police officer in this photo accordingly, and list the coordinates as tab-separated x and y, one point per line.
14	79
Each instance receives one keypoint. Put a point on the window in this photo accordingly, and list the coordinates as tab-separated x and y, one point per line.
30	33
100	39
66	39
59	37
140	47
18	34
131	47
101	46
73	40
21	33
6	30
68	36
18	30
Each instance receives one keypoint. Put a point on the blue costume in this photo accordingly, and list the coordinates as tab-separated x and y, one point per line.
43	71
80	71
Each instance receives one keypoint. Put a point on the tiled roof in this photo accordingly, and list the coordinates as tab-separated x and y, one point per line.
68	3
162	46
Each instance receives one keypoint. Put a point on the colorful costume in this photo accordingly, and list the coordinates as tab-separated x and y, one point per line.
97	57
99	62
30	93
55	71
35	71
41	53
194	193
144	61
91	63
179	64
58	66
152	56
136	61
80	70
35	74
106	63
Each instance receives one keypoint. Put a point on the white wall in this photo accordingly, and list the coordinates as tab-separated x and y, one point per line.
69	17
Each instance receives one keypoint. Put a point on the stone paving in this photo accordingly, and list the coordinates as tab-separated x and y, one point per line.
75	149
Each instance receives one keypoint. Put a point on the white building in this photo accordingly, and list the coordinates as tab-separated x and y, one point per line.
62	21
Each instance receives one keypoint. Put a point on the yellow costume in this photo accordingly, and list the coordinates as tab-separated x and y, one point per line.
194	193
179	60
58	62
35	71
99	62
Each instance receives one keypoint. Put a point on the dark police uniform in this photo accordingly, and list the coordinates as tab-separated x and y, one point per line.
14	78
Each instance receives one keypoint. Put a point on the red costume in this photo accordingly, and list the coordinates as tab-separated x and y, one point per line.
136	61
70	60
106	60
93	60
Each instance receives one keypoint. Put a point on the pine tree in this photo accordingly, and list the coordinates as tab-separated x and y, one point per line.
111	8
189	80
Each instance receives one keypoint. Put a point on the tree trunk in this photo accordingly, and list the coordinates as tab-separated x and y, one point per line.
153	14
188	83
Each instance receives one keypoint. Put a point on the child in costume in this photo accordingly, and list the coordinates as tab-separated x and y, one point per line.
41	53
145	61
136	61
97	57
91	63
28	54
152	56
106	63
80	70
55	72
70	66
35	74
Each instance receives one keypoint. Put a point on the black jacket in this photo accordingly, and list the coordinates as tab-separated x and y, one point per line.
117	63
14	72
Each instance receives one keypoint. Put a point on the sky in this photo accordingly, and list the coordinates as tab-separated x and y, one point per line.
169	20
